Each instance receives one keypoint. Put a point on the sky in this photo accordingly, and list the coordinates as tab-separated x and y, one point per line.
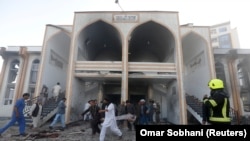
23	22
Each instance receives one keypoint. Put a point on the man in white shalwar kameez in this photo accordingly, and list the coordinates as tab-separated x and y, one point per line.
109	120
36	118
87	116
56	90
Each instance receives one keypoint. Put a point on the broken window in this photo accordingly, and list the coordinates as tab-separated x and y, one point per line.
13	72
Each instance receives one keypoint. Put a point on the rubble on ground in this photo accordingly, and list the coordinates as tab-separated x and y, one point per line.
75	131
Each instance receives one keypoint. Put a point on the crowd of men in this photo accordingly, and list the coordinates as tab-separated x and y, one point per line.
112	117
216	109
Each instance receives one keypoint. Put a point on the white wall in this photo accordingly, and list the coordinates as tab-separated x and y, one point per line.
195	47
173	105
57	49
1	64
79	97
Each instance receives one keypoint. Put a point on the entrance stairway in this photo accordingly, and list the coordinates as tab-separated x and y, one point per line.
48	111
194	106
194	103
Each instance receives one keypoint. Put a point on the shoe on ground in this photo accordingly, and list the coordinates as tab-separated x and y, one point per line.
50	127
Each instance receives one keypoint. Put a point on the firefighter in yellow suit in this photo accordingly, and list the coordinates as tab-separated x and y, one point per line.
218	103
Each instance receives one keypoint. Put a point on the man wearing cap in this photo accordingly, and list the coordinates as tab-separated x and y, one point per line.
96	116
143	119
35	112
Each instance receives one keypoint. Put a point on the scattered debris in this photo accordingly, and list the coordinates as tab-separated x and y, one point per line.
75	131
42	134
45	135
18	135
78	132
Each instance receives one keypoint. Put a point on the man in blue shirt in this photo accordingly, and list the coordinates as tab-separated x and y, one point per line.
18	116
60	114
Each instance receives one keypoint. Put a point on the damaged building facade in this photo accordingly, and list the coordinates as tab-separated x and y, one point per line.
127	55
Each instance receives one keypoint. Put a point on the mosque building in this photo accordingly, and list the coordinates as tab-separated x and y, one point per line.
129	55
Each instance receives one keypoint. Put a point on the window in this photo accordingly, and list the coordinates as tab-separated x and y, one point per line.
14	66
33	77
213	31
31	91
8	99
243	77
34	71
214	40
12	78
220	73
225	41
223	29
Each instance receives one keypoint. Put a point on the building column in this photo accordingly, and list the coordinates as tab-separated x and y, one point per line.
3	70
234	88
150	92
70	78
232	67
180	87
100	93
22	72
124	80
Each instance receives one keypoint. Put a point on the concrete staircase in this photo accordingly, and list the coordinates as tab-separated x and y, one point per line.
48	111
194	106
194	103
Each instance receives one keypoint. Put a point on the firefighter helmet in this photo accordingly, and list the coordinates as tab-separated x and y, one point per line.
216	84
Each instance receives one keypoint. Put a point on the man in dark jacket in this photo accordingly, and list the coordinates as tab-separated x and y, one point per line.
60	114
96	116
218	103
144	111
129	109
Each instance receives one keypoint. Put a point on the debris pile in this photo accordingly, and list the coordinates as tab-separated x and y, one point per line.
43	134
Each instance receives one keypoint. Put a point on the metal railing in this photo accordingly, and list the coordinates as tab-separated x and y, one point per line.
235	118
234	114
28	105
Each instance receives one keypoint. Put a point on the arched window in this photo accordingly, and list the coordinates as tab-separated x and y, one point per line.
14	67
33	77
12	78
34	71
